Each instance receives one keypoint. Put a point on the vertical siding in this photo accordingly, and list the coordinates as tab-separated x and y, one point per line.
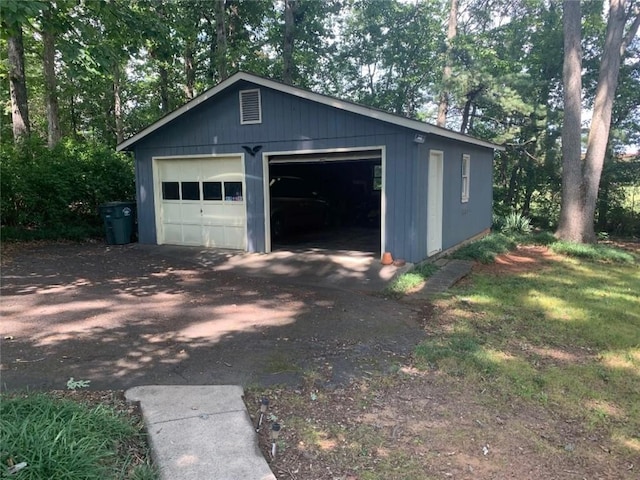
290	123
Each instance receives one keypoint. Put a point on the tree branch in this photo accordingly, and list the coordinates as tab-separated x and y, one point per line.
632	30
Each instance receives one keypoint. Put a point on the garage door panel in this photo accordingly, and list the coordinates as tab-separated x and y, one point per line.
217	220
171	212
191	214
221	168
191	234
173	234
234	235
214	237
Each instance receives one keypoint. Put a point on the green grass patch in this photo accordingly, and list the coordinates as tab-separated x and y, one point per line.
63	439
595	252
567	336
412	279
486	249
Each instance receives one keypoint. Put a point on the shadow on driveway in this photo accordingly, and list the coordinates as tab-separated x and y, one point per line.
122	316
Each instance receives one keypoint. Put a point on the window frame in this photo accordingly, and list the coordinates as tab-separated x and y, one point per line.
465	178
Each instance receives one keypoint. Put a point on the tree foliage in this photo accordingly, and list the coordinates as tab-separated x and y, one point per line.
116	66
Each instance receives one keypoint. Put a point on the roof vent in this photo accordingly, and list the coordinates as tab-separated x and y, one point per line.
250	107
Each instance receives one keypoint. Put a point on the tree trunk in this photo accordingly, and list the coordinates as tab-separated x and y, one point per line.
189	72
443	106
571	221
471	96
221	42
580	188
18	85
117	105
602	108
288	40
50	84
164	89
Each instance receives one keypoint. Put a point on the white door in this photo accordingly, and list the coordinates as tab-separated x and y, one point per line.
434	205
201	202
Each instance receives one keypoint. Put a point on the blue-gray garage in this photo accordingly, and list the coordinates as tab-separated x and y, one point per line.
251	162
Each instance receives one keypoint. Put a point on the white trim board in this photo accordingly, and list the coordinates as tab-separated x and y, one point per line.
315	97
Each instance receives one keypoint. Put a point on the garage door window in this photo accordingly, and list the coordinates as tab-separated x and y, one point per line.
233	191
170	190
190	191
212	190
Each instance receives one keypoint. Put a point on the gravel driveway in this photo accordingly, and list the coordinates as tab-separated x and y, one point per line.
122	316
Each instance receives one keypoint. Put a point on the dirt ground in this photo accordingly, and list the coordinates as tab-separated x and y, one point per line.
336	364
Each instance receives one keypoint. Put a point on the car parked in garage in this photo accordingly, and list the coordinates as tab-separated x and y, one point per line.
296	206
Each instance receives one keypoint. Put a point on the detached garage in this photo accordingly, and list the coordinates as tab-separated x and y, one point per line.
256	165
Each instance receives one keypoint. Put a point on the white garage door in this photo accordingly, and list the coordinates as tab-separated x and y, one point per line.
201	202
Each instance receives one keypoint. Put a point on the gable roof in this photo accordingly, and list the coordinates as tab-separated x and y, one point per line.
314	97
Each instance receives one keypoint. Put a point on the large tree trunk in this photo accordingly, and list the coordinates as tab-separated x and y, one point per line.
18	85
288	39
50	84
221	42
443	106
571	219
580	186
601	119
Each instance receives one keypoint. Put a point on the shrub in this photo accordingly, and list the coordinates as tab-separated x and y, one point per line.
56	193
486	249
516	224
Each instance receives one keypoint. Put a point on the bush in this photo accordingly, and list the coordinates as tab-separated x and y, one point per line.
516	224
56	193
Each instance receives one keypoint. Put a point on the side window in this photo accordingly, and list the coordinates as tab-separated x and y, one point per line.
466	170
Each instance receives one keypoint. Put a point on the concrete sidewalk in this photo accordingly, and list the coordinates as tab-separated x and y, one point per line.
451	272
201	432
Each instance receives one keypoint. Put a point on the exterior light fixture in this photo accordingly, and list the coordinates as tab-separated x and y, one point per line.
264	404
419	138
275	433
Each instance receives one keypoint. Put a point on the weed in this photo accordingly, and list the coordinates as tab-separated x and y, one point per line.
412	279
76	384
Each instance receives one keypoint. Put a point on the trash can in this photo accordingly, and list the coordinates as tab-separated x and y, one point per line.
119	221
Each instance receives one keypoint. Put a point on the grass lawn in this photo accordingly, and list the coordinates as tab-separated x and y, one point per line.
530	369
44	436
566	336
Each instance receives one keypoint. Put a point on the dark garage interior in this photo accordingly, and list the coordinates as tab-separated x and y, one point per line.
329	203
